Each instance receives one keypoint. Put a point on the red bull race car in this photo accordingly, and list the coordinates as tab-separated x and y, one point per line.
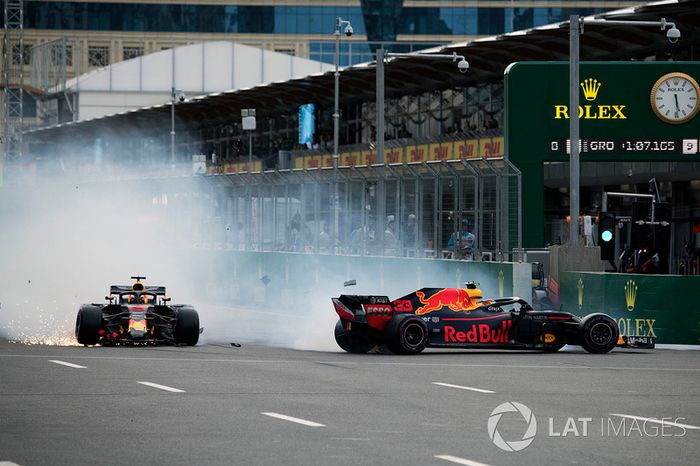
137	314
460	318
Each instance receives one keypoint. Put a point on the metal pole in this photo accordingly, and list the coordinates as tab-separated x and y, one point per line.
380	105
172	126
336	111
250	151
574	163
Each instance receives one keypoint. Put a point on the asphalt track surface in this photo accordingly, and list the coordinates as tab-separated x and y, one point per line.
217	404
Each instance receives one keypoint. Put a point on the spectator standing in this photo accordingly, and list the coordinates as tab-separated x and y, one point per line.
409	236
358	239
390	239
462	242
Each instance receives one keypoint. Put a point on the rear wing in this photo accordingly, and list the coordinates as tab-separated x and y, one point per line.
118	289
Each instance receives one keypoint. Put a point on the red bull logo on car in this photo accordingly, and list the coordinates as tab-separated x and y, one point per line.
457	299
479	333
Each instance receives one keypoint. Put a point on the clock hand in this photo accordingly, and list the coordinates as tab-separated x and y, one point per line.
675	96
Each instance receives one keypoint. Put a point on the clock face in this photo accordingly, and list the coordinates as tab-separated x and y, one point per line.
674	98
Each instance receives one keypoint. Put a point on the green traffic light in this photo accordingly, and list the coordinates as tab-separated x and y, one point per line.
607	235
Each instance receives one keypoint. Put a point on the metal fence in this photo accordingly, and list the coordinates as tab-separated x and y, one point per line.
408	209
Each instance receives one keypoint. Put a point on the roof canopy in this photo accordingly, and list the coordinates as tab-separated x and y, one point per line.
488	58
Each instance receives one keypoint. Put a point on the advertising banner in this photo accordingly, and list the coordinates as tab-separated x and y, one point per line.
418	153
467	149
661	306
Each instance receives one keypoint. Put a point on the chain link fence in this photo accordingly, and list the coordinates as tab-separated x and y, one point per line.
401	210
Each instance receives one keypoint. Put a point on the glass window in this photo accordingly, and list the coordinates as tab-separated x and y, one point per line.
26	53
98	56
285	20
491	21
426	21
132	52
523	18
256	19
301	19
28	105
68	55
230	19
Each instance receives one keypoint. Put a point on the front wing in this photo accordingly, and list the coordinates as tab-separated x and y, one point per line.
633	341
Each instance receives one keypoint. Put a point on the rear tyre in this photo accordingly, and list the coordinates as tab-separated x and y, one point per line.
352	342
88	324
406	334
186	331
598	333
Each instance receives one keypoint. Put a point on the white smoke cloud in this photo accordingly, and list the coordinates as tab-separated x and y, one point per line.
64	243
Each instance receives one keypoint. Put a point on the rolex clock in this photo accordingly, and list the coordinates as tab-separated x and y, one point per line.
674	98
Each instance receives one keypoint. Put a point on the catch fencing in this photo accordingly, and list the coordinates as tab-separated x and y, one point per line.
406	209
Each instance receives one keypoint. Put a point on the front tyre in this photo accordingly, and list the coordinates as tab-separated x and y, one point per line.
88	324
598	333
186	331
352	342
406	334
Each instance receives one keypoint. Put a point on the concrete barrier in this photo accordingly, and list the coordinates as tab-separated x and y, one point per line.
247	277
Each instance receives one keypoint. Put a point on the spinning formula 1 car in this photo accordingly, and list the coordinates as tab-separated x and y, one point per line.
137	314
460	318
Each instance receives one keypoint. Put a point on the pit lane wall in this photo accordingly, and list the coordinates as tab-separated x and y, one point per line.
664	306
271	278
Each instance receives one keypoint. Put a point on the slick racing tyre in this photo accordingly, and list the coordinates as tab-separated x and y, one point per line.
406	334
352	342
598	333
88	325
186	330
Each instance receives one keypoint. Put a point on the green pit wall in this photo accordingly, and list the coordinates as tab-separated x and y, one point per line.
664	306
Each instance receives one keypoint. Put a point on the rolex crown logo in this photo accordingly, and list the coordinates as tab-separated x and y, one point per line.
580	293
590	88
630	294
501	283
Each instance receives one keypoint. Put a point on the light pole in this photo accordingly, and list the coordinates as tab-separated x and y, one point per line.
462	66
339	22
176	96
575	30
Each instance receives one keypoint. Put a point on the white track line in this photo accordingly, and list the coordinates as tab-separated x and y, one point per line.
398	364
294	419
657	421
162	387
480	390
458	460
63	363
8	463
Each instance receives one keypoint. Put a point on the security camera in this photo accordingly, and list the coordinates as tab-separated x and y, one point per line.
348	30
673	35
463	66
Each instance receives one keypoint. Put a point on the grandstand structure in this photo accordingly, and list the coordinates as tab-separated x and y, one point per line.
445	155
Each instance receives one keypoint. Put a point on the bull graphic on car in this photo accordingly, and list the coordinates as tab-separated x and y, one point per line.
461	318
